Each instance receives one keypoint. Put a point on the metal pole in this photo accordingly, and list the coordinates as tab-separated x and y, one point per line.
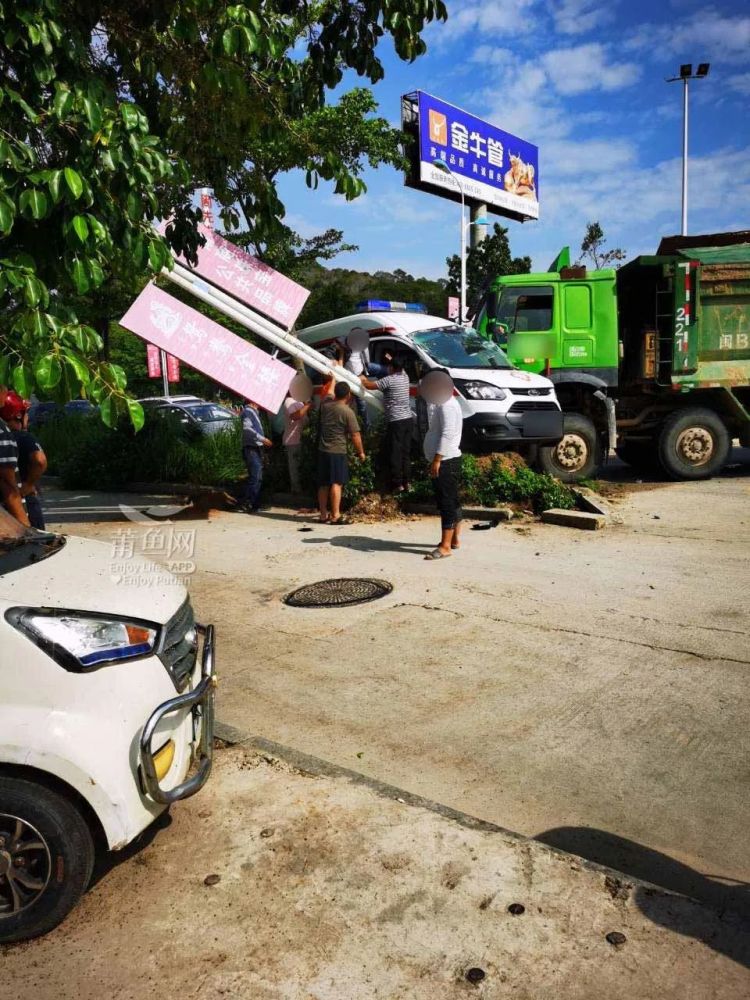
685	157
164	377
478	233
462	310
265	329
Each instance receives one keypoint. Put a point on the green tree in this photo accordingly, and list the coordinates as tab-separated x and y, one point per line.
593	247
489	259
111	114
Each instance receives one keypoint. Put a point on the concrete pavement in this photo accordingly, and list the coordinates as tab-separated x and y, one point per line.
321	888
588	689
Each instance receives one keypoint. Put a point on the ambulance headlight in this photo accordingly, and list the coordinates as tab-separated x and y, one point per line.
479	390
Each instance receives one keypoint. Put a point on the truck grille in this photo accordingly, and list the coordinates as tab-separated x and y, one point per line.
531	392
525	405
179	646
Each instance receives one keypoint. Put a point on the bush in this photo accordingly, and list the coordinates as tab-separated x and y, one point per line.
490	481
88	455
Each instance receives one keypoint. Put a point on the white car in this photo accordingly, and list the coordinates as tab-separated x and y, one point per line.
502	406
106	715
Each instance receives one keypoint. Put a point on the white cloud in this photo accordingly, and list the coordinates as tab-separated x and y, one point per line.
577	17
582	158
585	68
490	18
740	82
706	34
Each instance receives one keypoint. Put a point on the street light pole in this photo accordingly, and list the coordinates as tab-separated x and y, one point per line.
684	229
442	165
686	74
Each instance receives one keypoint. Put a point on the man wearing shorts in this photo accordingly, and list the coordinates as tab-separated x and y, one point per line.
337	425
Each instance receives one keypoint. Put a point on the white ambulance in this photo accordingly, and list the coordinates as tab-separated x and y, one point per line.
502	406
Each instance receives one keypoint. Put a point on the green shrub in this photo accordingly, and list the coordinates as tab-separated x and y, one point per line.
489	483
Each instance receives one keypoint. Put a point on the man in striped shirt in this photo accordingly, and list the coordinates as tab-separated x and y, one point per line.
399	422
10	494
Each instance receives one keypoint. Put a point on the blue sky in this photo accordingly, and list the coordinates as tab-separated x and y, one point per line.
584	80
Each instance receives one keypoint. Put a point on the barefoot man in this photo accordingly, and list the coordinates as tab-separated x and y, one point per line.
442	449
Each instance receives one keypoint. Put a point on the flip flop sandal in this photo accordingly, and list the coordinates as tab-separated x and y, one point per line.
436	554
340	520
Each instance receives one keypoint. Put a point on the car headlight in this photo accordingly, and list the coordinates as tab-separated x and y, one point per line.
480	390
82	642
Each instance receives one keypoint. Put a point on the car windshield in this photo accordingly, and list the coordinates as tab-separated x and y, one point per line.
206	412
459	347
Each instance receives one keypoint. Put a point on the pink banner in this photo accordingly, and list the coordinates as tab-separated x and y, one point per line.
153	361
173	368
248	279
209	348
454	307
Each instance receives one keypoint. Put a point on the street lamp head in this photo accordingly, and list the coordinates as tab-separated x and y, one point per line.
686	71
703	69
481	221
442	165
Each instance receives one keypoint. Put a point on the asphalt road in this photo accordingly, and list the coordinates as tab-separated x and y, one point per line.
589	689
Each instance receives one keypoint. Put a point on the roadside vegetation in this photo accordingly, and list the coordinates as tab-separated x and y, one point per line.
86	454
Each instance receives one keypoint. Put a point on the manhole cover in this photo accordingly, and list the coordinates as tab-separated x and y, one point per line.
338	593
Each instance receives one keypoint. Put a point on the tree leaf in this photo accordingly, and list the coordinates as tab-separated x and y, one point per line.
62	102
108	410
33	203
79	274
135	412
73	182
33	291
80	227
23	380
48	371
130	116
93	113
78	367
54	183
7	213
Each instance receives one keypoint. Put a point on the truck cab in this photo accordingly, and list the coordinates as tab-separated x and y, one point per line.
562	323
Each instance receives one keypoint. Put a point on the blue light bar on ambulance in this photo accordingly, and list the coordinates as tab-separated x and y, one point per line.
383	305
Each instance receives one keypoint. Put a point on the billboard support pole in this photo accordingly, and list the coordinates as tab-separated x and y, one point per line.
164	376
478	232
462	319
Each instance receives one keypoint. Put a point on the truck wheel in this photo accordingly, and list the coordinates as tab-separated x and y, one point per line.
640	455
578	455
693	444
46	858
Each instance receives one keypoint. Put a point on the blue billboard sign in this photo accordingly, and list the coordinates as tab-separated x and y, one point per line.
492	166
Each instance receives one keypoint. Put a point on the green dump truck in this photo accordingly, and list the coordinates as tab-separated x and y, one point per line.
652	359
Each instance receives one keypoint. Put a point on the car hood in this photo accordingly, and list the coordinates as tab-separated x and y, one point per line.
86	575
505	378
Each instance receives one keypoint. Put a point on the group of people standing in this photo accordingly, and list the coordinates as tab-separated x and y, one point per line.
22	461
339	424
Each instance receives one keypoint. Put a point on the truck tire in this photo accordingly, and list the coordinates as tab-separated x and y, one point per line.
693	444
577	455
46	858
643	456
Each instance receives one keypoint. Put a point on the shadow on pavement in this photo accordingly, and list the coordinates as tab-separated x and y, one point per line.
363	544
616	471
730	899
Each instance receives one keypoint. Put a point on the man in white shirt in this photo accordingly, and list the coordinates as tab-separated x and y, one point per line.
442	449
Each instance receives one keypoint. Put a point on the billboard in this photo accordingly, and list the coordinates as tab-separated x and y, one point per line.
172	326
246	278
493	167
